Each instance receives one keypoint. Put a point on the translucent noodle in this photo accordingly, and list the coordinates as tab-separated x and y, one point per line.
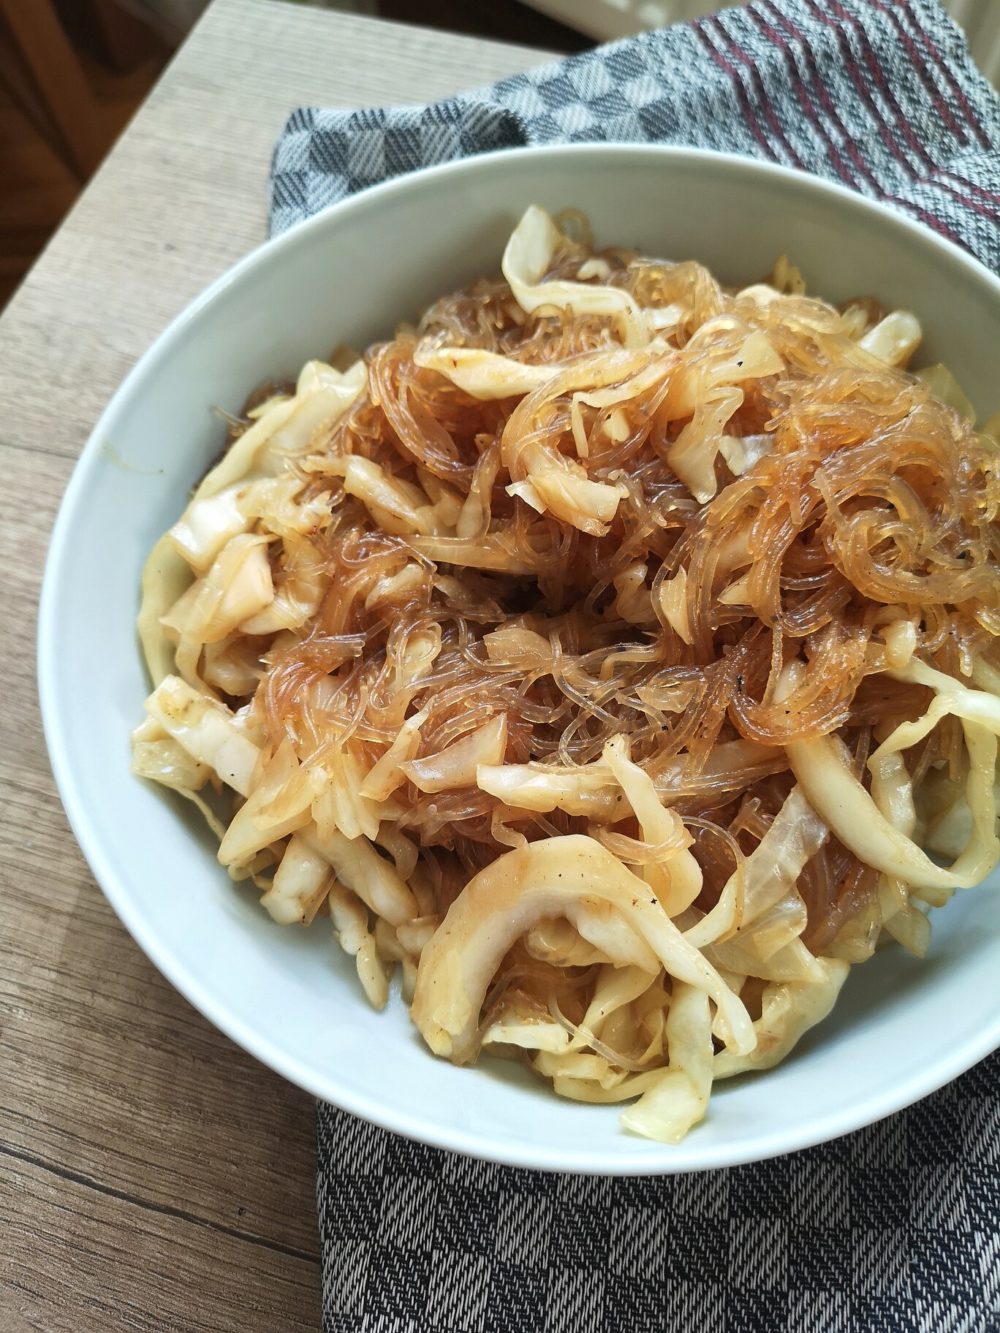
612	656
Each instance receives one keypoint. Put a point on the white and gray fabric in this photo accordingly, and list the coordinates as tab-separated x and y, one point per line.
879	95
893	1229
896	1227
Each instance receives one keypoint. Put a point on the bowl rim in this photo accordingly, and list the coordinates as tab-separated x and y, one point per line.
875	1106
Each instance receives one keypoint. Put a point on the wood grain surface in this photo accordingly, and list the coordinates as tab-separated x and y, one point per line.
152	1175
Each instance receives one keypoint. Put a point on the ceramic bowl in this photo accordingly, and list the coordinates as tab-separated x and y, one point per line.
901	1028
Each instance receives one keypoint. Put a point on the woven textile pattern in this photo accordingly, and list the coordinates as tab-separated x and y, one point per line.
892	1229
896	1227
879	95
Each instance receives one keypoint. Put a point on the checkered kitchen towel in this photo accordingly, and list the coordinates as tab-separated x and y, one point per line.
896	1227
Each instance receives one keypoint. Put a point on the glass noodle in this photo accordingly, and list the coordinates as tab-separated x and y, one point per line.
605	654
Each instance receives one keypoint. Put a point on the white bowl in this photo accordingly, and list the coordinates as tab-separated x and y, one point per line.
901	1029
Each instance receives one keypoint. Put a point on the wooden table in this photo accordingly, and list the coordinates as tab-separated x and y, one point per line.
152	1175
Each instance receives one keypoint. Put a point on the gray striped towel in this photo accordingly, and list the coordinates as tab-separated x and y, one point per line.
896	1227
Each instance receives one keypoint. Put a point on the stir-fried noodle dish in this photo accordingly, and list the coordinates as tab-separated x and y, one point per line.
612	656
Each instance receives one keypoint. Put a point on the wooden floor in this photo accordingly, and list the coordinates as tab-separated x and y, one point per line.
37	187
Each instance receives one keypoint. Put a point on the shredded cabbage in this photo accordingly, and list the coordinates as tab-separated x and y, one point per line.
607	654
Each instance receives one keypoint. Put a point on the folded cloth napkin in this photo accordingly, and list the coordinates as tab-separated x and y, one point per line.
896	1227
880	95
